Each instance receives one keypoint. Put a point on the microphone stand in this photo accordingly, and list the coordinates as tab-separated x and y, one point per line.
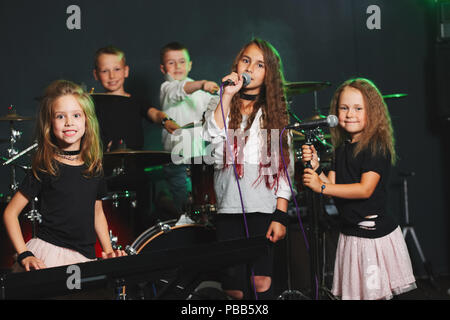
318	290
293	115
409	227
317	133
33	215
290	294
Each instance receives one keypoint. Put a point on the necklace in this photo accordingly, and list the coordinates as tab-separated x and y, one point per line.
250	97
69	155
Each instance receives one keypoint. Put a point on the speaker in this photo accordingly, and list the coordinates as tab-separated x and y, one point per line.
442	78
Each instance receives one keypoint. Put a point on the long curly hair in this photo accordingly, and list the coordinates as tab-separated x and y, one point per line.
271	100
91	149
378	134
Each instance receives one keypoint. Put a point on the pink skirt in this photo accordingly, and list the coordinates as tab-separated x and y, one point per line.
372	269
51	255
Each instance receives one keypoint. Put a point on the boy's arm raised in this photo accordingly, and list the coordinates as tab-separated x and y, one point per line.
205	85
157	116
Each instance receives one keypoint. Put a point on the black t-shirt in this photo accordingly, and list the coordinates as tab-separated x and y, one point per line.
352	212
120	118
67	206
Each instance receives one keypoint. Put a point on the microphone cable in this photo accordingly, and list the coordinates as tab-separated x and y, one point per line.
237	181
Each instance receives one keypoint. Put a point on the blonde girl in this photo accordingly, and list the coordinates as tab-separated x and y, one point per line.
66	176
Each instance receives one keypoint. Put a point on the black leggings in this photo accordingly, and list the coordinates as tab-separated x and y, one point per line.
231	227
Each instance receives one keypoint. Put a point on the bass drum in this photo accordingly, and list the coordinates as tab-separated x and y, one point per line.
164	236
169	235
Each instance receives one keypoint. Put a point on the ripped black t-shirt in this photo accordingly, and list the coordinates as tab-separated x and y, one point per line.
354	213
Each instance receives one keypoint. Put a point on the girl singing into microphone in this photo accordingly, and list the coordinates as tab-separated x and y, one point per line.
249	178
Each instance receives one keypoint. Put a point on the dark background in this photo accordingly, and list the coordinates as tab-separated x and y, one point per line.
323	40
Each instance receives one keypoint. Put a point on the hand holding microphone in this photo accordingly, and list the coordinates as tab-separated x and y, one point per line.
231	84
234	82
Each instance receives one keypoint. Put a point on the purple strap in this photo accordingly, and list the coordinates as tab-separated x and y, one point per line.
237	181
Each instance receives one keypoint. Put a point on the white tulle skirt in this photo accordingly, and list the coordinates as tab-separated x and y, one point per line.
372	269
51	255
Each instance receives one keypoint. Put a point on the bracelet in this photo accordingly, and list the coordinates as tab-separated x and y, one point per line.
322	187
24	255
163	121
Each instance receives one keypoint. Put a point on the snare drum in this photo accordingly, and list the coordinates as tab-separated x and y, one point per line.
163	236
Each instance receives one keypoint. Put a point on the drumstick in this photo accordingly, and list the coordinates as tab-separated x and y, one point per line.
20	154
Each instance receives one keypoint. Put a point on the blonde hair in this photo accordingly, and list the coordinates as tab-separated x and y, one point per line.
91	149
110	50
378	134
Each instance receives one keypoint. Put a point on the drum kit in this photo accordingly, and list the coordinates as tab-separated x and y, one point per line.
119	206
30	219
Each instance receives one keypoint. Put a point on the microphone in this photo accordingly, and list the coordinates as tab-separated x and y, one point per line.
330	121
247	80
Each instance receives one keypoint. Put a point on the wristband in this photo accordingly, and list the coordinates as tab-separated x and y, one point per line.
24	255
322	187
163	121
281	217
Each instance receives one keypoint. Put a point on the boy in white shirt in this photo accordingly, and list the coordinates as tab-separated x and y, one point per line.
184	101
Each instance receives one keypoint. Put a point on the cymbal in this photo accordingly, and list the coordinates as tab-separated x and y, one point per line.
146	157
294	88
316	117
395	95
14	117
298	136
